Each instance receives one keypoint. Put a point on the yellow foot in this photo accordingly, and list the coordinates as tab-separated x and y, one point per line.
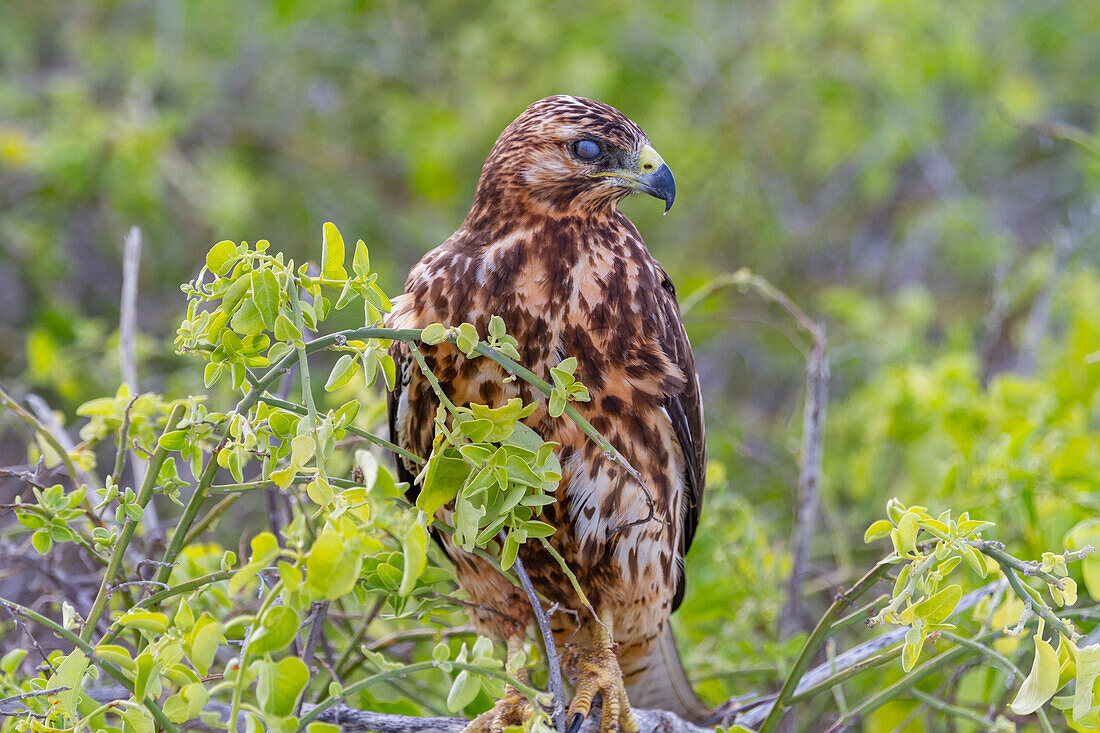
597	673
510	711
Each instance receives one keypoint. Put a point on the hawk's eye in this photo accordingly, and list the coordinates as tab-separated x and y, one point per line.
586	149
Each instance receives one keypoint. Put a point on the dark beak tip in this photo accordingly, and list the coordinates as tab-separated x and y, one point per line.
666	185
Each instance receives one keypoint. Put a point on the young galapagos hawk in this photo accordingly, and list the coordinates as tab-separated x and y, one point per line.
546	248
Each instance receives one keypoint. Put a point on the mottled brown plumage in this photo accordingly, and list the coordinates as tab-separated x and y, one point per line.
546	248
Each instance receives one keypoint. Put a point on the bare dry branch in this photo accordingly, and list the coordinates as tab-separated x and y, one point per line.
809	481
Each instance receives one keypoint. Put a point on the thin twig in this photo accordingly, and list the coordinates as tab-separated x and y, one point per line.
553	662
318	611
144	494
36	693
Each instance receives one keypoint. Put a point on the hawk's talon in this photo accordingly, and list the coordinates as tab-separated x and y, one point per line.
512	710
597	673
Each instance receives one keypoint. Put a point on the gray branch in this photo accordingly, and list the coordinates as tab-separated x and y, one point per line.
352	720
809	480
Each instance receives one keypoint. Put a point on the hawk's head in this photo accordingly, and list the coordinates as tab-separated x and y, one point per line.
573	156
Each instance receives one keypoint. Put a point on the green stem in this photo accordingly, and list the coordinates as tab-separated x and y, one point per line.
432	380
123	436
370	437
996	551
816	639
845	674
307	383
957	711
194	504
374	679
1063	628
247	486
144	494
569	574
167	593
238	684
114	672
220	508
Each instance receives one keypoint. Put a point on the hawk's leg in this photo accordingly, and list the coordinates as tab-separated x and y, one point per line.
597	672
511	710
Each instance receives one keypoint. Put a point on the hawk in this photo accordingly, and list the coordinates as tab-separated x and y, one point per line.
546	248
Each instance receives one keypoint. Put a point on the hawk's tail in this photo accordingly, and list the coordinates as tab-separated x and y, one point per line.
663	683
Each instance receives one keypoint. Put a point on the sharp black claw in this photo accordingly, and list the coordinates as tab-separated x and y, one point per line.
576	723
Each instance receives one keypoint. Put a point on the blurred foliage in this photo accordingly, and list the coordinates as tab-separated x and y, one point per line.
921	175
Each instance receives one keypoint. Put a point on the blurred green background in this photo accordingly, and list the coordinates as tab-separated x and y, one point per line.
922	175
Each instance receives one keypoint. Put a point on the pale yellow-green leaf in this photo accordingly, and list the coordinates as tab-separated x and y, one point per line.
332	253
415	550
1041	683
221	256
936	609
878	530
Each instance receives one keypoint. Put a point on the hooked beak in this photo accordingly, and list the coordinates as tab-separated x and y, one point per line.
654	177
648	175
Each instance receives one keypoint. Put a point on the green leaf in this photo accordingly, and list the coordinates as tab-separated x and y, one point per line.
285	330
280	684
331	571
1041	683
975	560
232	298
535	528
509	552
265	295
264	549
463	691
319	491
211	374
69	674
360	262
147	667
332	253
221	257
42	541
389	370
442	478
203	643
415	549
467	339
146	621
1087	533
319	727
11	661
1087	660
187	704
173	440
434	334
247	320
936	609
878	530
345	368
914	642
274	632
907	533
496	327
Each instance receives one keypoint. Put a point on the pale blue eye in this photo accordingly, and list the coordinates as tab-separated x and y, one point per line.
586	149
